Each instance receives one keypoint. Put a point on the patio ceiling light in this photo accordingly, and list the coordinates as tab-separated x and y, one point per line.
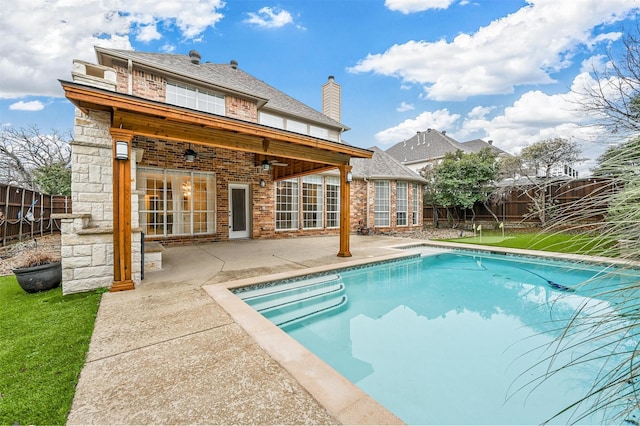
266	165
190	155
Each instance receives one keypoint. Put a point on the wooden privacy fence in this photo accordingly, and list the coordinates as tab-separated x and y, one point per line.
514	207
27	214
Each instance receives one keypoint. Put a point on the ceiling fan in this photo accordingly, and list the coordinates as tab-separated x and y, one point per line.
267	164
190	155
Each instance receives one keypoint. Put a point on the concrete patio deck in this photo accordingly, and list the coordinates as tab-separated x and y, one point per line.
169	352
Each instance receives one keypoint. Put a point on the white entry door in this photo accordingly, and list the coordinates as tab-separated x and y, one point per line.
239	210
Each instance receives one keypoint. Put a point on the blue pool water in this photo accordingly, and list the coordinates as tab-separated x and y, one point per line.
448	338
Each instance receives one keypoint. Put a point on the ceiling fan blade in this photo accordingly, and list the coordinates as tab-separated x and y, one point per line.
277	163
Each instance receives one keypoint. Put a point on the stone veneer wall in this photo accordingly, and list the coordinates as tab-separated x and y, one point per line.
87	234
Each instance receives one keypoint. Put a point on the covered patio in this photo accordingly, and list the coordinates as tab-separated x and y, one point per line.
125	118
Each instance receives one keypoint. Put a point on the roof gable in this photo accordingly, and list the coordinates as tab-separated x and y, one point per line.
432	145
428	145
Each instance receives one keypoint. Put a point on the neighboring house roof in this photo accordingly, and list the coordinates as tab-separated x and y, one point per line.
477	145
432	145
226	77
383	166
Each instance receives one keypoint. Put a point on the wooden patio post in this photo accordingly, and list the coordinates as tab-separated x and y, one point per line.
122	210
345	211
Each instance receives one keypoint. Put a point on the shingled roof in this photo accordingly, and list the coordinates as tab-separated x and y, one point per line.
224	77
431	145
383	166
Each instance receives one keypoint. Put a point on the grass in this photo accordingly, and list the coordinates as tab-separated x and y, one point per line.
44	339
555	242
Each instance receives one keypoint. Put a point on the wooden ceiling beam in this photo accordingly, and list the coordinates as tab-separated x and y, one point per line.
166	129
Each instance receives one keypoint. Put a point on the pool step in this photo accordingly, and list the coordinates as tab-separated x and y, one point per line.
258	296
286	304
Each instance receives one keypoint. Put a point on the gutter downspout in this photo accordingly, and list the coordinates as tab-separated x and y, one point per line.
367	201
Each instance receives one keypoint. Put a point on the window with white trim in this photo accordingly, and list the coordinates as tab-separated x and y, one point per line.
333	202
382	204
312	202
415	214
297	126
271	120
176	202
287	204
402	203
319	132
195	98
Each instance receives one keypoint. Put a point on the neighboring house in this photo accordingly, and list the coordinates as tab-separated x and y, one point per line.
174	150
386	196
428	148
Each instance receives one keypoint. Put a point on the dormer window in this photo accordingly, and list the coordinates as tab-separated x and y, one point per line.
195	98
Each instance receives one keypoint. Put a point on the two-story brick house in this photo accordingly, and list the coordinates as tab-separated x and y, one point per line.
183	151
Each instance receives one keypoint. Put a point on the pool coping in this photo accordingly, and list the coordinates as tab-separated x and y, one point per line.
342	399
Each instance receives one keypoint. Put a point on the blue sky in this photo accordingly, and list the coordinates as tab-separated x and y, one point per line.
510	71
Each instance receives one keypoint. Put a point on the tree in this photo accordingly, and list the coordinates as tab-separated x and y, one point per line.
463	179
615	99
35	161
536	164
550	153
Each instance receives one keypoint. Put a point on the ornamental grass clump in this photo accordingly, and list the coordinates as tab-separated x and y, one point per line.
35	256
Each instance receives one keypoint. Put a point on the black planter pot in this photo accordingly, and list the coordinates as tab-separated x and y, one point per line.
39	278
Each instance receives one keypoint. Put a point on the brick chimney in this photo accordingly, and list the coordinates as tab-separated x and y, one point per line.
331	103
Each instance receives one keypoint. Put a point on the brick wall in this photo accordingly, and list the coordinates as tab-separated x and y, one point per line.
359	196
143	83
229	167
241	109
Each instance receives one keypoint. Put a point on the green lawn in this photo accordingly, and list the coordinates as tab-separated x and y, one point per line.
44	339
556	242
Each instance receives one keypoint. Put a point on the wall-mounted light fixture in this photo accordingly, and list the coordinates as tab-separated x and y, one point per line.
349	178
122	150
265	165
262	183
190	155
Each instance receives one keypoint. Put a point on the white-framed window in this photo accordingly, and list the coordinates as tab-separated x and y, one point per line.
312	201
333	202
382	204
194	98
271	120
319	132
402	203
415	214
174	202
287	205
297	126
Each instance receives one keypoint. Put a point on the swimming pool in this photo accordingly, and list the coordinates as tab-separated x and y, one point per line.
446	338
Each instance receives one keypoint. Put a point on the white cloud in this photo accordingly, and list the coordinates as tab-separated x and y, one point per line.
405	107
536	116
40	38
27	106
441	120
533	117
525	47
269	18
148	33
411	6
